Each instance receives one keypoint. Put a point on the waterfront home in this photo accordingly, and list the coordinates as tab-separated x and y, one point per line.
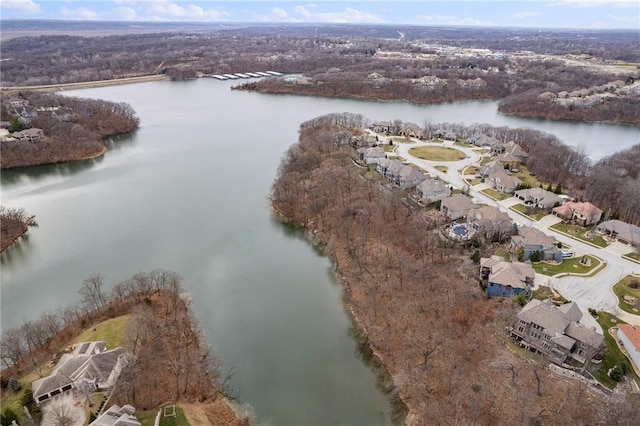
538	197
89	367
489	221
505	279
117	416
503	182
456	206
483	140
432	190
411	130
620	231
629	336
531	240
556	332
29	135
582	213
381	126
409	177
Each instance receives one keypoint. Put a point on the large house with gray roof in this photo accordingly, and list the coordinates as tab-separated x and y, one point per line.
538	197
556	332
457	206
90	366
531	240
620	231
432	190
117	416
505	279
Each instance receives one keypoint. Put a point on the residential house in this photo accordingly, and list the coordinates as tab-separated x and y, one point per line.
503	182
620	231
531	240
490	222
538	197
409	177
117	416
457	206
432	190
381	126
366	140
411	130
505	279
90	365
556	332
582	213
382	165
629	336
493	166
445	134
29	135
371	155
510	155
393	170
483	140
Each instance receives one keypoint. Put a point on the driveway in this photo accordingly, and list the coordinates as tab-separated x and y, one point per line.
593	292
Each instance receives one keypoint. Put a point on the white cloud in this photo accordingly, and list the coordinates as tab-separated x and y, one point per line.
168	10
25	6
80	14
348	15
626	19
526	14
454	20
280	14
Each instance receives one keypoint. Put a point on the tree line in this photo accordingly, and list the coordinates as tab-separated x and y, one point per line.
416	302
14	222
73	127
168	359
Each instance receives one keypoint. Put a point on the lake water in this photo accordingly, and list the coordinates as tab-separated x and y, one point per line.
188	192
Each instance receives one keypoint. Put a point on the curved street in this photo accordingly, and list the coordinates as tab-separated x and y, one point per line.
588	292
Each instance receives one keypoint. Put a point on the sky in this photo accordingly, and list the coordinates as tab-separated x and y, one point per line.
589	14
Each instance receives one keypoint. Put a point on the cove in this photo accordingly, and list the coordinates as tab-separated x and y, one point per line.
189	192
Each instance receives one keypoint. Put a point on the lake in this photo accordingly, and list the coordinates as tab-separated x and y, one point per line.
189	192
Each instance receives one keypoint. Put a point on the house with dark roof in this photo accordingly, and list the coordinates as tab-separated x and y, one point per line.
531	240
556	332
432	190
89	366
620	231
457	206
538	197
505	279
409	177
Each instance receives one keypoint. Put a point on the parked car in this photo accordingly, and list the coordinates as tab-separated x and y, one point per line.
566	253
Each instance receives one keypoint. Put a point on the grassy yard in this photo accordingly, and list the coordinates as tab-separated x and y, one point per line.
388	148
569	266
580	233
443	169
471	170
437	153
496	195
463	143
527	178
613	355
544	292
402	140
633	256
535	214
628	286
147	418
111	331
485	160
474	182
503	253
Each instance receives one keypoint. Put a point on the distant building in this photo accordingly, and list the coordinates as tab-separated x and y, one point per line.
29	135
381	126
556	332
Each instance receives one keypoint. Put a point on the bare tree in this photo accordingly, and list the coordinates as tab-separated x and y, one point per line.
92	291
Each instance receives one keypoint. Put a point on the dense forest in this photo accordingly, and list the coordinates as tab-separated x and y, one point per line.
351	61
416	299
72	128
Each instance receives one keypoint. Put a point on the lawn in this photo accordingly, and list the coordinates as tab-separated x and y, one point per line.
527	178
569	266
147	418
496	195
633	256
388	148
442	169
624	288
474	182
544	292
485	160
463	143
612	355
503	253
111	331
402	140
437	153
471	170
532	213
580	233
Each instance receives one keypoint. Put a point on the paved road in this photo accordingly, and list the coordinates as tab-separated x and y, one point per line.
593	292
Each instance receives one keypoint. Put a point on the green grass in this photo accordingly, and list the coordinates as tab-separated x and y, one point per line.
544	292
612	355
485	160
402	140
578	233
388	148
535	214
496	195
569	266
443	169
471	170
622	289
147	418
503	253
111	331
12	401
634	257
527	178
463	143
474	182
437	153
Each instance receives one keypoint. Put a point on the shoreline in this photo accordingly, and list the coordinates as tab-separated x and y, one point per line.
14	240
87	84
